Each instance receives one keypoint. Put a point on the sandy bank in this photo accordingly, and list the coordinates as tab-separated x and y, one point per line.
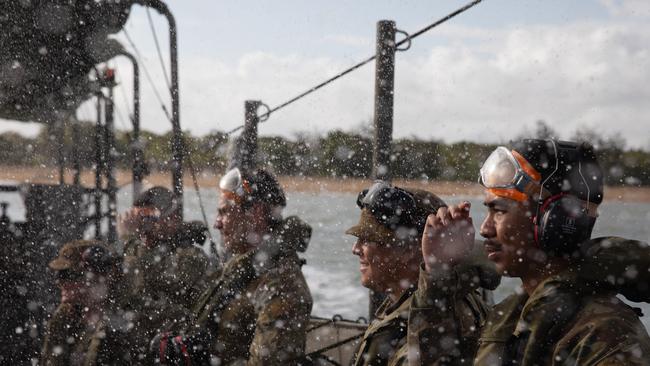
298	184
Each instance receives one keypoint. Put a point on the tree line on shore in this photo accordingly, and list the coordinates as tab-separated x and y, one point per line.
336	154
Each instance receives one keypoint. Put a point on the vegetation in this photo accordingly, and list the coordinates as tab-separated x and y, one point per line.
337	154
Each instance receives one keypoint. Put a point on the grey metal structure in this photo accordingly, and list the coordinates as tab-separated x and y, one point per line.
109	165
384	91
178	146
383	117
243	151
137	152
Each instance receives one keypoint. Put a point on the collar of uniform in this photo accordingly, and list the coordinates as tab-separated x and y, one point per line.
388	310
503	319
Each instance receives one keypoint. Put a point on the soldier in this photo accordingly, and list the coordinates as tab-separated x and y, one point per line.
82	330
542	198
258	310
388	246
164	271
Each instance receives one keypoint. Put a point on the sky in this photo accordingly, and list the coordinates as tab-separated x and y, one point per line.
487	75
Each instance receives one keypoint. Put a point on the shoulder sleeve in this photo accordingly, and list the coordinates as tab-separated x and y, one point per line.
192	265
605	333
445	316
180	275
617	264
283	306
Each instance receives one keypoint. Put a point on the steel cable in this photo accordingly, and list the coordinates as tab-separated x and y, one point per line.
160	56
409	38
146	73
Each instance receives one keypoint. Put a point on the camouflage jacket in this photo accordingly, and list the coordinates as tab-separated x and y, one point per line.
573	318
162	285
559	324
62	334
384	340
171	272
258	311
414	318
70	341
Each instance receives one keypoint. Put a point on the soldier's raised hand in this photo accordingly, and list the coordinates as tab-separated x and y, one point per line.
128	223
448	236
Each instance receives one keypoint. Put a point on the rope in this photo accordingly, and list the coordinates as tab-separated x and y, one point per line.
309	91
364	62
146	73
195	181
123	89
160	56
234	130
438	22
334	345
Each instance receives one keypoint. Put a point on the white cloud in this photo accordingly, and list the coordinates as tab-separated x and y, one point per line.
349	40
582	74
624	8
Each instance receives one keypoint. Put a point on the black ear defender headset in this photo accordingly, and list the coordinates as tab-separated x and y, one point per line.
566	217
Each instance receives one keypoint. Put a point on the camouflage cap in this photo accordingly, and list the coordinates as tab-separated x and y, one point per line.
369	228
83	255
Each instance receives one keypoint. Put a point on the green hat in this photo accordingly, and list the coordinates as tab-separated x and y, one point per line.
369	228
83	255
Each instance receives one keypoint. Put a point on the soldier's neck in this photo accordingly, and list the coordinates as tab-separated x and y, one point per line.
252	240
537	275
398	288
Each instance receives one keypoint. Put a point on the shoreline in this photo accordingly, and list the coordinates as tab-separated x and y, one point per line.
13	174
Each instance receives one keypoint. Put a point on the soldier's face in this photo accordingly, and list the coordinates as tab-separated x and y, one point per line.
232	223
152	227
72	291
383	267
509	232
89	289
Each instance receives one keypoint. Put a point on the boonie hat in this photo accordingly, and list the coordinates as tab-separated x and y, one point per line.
83	255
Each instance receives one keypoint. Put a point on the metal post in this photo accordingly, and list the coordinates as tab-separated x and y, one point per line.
384	89
76	161
59	132
243	151
383	121
109	161
178	147
99	164
249	135
136	145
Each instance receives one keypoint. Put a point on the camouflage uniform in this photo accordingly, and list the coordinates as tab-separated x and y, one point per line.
61	336
573	318
164	283
71	337
258	311
414	317
70	342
